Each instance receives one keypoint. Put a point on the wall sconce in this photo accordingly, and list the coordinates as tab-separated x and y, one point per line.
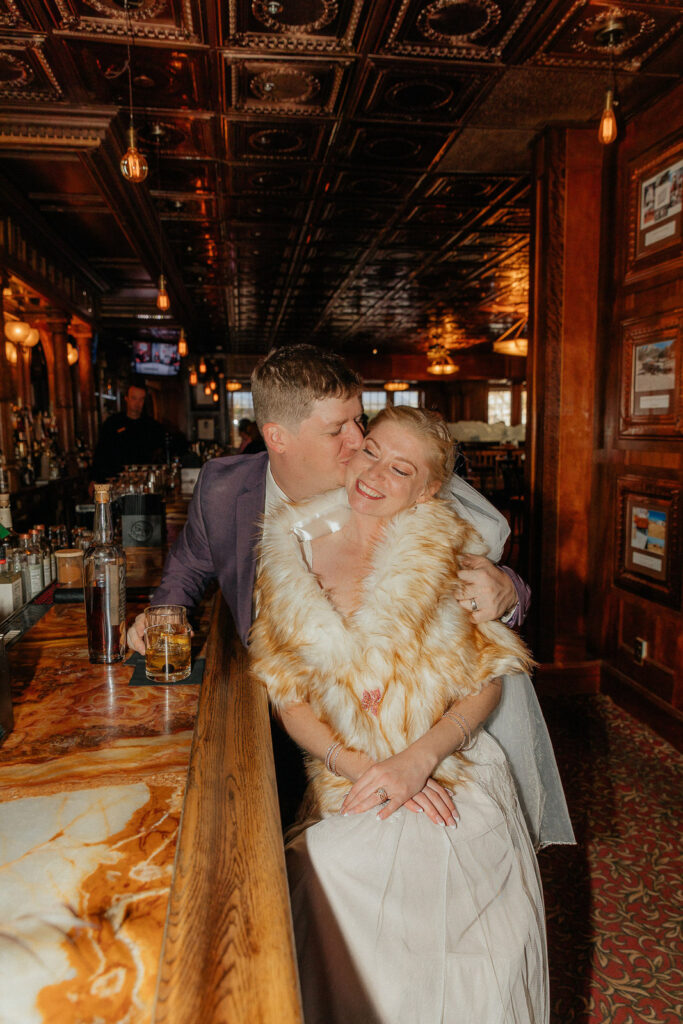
233	385
396	385
71	354
182	344
440	362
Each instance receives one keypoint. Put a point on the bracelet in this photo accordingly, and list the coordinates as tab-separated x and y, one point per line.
333	760
331	750
458	719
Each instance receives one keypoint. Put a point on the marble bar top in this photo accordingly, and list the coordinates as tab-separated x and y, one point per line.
91	789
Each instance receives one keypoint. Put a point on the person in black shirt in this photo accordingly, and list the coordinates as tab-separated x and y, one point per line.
128	438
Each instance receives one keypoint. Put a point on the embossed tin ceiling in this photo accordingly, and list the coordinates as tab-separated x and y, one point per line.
352	173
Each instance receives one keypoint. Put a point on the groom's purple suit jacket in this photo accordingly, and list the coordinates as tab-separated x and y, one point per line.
220	537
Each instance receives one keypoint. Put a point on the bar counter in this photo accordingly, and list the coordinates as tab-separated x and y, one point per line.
91	789
142	873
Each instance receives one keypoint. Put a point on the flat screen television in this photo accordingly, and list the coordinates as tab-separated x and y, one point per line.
156	358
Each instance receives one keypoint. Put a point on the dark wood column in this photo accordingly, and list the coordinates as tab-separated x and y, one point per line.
7	395
86	383
562	387
60	386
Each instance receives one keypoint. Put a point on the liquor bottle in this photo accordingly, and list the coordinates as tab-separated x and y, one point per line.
34	556
39	543
104	577
10	590
20	564
7	535
48	550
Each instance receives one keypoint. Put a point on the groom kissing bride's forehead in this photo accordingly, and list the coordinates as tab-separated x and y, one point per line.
307	404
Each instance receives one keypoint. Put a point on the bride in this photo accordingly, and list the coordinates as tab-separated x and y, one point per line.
414	885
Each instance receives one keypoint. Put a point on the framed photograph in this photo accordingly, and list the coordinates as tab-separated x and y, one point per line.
648	538
652	377
656	211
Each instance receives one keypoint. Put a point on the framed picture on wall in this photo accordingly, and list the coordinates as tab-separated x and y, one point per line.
649	538
652	377
656	210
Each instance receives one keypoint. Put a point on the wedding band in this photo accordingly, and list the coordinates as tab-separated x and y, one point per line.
475	606
382	794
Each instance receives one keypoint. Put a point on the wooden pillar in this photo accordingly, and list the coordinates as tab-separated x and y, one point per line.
563	383
7	395
63	401
86	383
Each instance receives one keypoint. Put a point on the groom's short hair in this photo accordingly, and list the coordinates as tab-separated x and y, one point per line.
286	383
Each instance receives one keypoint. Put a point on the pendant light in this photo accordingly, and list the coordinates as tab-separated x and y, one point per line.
396	385
163	301
193	378
182	344
134	166
17	331
610	35
440	362
233	385
514	341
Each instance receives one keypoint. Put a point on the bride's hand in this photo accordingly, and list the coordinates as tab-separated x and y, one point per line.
404	777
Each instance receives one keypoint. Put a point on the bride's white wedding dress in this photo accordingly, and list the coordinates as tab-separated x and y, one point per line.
401	921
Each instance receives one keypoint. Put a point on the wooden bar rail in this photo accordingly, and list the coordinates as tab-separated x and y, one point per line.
228	955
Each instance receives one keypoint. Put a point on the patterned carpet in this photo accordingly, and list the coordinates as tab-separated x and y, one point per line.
614	910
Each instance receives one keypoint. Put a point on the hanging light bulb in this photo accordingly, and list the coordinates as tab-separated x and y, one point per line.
17	331
213	385
182	344
163	301
193	378
610	35
202	365
134	166
607	132
71	354
216	397
233	385
207	390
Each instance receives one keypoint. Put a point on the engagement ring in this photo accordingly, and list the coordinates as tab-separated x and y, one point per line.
382	794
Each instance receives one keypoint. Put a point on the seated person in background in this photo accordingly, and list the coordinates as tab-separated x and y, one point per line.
128	438
243	431
256	442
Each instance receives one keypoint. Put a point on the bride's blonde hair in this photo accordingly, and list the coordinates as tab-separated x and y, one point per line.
428	427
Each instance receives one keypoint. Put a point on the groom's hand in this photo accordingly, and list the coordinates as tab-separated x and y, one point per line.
483	583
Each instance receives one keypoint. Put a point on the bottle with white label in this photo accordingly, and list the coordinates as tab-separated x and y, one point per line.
10	590
40	542
19	563
35	564
48	550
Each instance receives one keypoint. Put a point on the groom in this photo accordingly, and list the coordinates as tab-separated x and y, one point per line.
307	404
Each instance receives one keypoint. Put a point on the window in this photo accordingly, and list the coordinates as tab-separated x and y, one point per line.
500	406
411	398
373	401
242	406
522	407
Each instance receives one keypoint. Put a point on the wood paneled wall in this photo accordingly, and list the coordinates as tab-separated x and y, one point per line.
616	616
581	296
